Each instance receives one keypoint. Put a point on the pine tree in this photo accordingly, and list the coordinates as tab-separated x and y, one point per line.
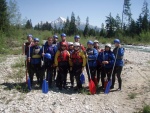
66	26
126	13
72	26
86	29
110	26
4	22
145	14
28	24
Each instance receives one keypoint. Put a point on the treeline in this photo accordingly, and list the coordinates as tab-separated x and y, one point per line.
124	26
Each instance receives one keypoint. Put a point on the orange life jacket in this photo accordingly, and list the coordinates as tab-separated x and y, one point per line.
76	58
63	56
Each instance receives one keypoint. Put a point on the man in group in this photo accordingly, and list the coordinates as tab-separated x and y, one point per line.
91	54
71	49
106	58
78	63
55	39
62	62
119	53
50	48
34	58
77	39
99	65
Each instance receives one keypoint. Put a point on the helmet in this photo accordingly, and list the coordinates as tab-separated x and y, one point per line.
90	42
70	43
29	35
63	35
108	45
36	39
76	44
48	56
117	41
55	36
76	37
96	41
63	44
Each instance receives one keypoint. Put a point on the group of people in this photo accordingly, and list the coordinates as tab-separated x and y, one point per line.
61	58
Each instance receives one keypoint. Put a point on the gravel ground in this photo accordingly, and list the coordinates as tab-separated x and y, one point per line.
135	77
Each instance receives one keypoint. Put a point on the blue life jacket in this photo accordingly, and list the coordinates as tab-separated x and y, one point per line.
92	57
51	49
35	54
107	56
119	59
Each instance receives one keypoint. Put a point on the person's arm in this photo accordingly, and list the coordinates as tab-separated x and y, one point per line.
56	58
94	56
84	59
112	59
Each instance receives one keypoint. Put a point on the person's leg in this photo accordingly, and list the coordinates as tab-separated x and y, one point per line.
31	71
119	70
87	70
93	74
98	74
103	75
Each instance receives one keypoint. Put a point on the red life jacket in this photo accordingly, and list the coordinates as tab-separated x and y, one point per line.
76	58
63	56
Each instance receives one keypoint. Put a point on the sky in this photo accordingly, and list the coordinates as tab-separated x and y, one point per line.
96	10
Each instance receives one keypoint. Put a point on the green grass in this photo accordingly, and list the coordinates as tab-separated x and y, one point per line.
145	109
132	95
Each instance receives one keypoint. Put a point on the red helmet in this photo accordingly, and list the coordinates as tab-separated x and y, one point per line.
63	44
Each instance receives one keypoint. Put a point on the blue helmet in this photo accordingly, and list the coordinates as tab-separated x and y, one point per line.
117	41
76	37
29	35
47	56
55	36
63	35
36	39
90	42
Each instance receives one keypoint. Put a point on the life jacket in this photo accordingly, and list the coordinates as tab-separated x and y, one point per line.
90	51
115	52
63	56
36	52
76	58
49	49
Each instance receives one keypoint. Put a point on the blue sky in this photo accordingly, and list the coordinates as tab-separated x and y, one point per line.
96	10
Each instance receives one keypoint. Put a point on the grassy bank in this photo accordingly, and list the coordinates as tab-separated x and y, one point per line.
11	44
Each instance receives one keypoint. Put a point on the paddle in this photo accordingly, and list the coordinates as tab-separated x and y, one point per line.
45	83
29	81
92	87
110	81
26	71
82	78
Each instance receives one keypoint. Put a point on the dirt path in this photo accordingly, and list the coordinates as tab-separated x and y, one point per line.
136	82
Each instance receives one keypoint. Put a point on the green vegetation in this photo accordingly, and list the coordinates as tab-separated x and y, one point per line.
13	30
146	109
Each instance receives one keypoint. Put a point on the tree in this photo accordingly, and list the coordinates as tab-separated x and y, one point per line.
72	26
78	23
145	15
28	24
139	25
110	26
4	22
126	13
66	26
86	29
14	15
102	31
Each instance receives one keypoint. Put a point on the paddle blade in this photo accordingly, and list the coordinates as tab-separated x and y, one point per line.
82	79
108	87
45	86
92	87
29	83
